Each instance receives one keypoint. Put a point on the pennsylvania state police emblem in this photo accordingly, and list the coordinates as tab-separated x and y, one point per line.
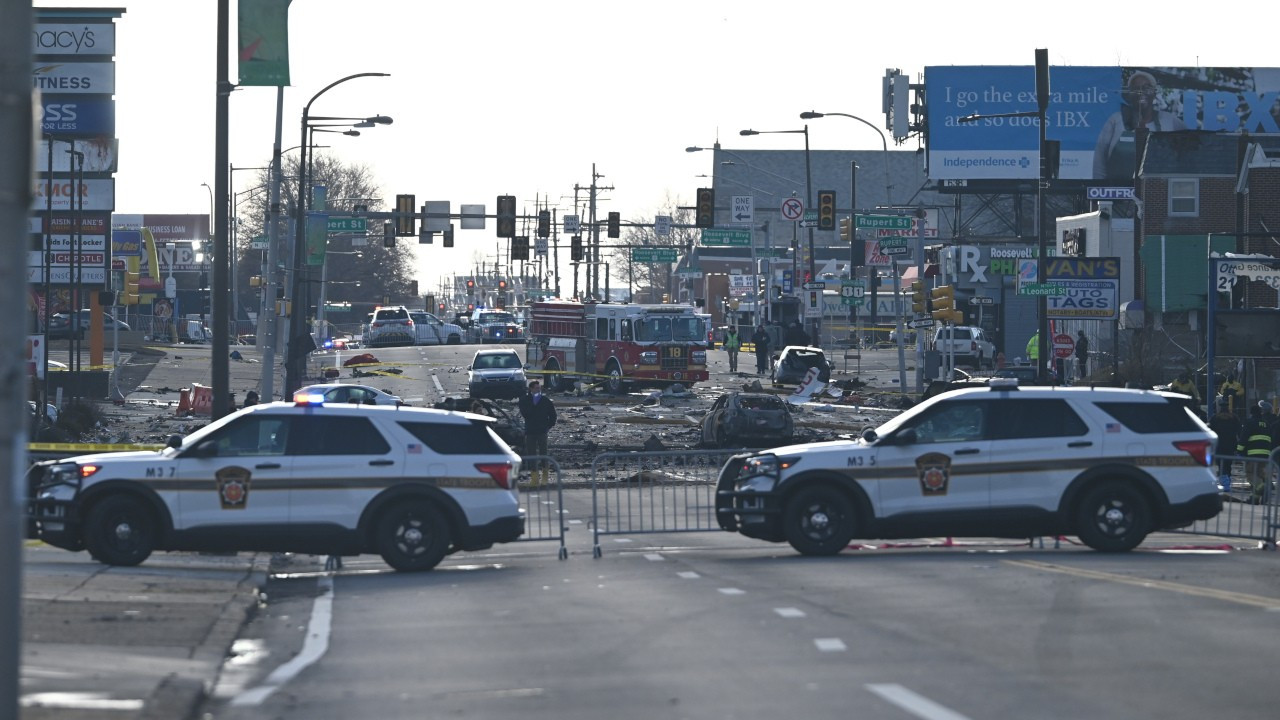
233	487
934	470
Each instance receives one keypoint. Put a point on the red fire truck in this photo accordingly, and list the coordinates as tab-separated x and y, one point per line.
619	343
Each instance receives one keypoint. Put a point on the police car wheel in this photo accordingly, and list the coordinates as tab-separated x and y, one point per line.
120	531
412	536
1113	517
818	521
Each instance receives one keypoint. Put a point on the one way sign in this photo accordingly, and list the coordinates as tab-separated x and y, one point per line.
744	208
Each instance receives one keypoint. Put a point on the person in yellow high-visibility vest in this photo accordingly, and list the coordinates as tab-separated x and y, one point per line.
1033	348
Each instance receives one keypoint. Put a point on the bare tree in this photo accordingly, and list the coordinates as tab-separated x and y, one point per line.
651	280
381	271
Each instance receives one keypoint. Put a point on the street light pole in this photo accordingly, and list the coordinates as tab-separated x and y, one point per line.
808	190
296	355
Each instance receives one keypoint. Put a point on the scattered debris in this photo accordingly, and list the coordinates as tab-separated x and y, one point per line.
654	443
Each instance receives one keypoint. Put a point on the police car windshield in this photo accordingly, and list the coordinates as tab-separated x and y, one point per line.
497	317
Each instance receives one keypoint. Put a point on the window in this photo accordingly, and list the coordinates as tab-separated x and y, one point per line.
602	328
952	422
1152	417
626	329
254	435
455	439
1184	198
339	436
1017	419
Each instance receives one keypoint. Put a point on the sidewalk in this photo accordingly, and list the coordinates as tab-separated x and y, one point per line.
141	642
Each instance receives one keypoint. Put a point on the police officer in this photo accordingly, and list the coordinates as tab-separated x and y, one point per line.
1256	441
539	415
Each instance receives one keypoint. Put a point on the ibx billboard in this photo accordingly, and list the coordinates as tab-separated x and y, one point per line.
1094	113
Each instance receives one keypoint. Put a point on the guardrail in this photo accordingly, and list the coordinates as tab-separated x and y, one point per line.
542	499
1246	513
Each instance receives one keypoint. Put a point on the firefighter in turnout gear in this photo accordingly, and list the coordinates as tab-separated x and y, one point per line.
1256	442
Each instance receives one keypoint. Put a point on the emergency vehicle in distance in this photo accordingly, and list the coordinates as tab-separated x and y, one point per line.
622	342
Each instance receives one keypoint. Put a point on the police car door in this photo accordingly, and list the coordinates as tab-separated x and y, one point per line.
342	462
239	476
938	462
1042	444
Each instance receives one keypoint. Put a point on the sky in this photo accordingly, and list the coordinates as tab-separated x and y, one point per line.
526	98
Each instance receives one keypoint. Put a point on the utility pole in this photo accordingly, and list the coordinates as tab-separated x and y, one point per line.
16	183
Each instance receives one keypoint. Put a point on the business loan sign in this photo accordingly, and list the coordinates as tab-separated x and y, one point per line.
1085	114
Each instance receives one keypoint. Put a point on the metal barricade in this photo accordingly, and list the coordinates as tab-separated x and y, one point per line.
542	499
1244	514
654	492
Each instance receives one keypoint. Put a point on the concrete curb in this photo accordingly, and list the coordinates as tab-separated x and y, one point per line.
177	698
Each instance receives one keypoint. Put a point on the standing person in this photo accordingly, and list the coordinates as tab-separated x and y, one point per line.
1033	348
1184	385
796	336
1082	355
1256	441
761	340
539	415
1232	393
1227	426
732	343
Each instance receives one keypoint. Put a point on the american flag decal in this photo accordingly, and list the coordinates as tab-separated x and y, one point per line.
1113	427
415	449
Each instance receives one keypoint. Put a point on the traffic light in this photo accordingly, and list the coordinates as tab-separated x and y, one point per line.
615	222
388	235
520	247
706	210
130	295
826	209
471	286
425	236
575	248
919	304
544	224
441	307
502	285
846	230
944	305
506	216
447	236
406	219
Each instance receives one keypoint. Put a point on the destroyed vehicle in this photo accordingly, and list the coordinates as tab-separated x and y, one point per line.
794	362
507	425
744	418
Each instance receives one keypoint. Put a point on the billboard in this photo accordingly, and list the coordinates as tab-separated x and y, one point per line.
77	115
1094	113
58	38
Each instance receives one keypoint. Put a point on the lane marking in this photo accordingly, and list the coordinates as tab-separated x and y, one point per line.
689	575
1259	601
79	701
732	591
830	644
918	705
653	557
789	612
313	648
439	388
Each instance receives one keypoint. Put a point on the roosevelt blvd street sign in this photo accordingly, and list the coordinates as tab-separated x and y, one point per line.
726	236
653	254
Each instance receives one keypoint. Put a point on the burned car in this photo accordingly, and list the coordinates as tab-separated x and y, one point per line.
795	360
742	418
507	424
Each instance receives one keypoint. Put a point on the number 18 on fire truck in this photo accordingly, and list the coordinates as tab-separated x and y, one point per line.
620	344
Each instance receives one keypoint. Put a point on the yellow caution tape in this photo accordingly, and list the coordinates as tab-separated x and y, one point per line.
82	448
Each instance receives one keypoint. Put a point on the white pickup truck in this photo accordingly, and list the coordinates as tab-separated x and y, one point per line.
967	344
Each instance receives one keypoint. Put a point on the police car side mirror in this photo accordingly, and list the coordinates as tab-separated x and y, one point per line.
869	435
173	441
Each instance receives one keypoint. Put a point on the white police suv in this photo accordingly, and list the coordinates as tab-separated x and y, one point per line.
411	484
1108	465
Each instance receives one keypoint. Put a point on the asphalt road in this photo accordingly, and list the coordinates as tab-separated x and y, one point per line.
714	625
